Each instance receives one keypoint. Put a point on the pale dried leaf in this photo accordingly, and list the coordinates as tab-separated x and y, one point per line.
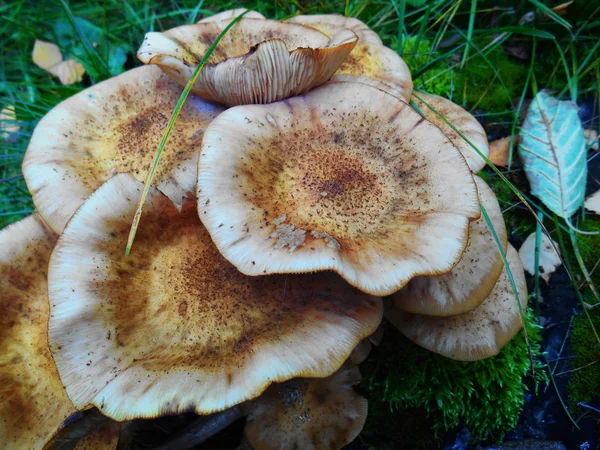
68	72
591	138
592	203
46	55
499	150
553	150
561	9
9	125
549	258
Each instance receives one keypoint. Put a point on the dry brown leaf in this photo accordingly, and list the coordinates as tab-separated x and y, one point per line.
549	258
592	203
561	9
48	57
499	151
8	124
591	138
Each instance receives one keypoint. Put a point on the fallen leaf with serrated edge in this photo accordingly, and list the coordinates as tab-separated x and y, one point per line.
549	259
592	203
8	124
552	147
47	56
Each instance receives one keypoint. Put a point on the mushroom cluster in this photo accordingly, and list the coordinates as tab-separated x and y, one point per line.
298	186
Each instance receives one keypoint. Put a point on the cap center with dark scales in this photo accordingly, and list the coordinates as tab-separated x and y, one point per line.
211	316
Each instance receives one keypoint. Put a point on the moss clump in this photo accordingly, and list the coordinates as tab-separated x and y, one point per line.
584	384
485	396
490	83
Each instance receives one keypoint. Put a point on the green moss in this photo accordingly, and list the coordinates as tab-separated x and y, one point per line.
485	396
584	383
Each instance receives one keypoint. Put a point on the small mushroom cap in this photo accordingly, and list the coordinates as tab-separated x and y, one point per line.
377	66
472	279
462	121
174	327
33	402
312	414
232	14
114	126
256	61
345	178
330	24
474	335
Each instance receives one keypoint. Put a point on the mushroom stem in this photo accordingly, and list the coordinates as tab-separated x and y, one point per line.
202	429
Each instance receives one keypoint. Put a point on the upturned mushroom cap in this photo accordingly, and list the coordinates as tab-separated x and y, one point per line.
474	335
472	279
114	126
232	14
345	178
174	327
256	61
462	121
312	414
33	402
330	24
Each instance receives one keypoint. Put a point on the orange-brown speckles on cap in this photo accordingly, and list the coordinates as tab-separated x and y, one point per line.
113	127
189	331
33	402
309	414
350	179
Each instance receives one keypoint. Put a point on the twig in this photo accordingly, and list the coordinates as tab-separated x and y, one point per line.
202	429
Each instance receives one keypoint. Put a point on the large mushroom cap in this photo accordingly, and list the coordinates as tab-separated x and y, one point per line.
477	334
33	402
174	327
463	121
330	24
313	414
346	178
472	279
256	61
231	14
114	126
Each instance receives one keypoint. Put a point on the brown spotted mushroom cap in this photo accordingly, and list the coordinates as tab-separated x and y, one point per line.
33	402
345	178
472	279
256	61
330	24
462	121
474	335
311	414
174	327
231	14
114	126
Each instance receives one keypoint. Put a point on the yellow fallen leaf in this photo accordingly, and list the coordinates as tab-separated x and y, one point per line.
549	258
499	150
68	72
8	124
48	57
45	54
592	203
561	9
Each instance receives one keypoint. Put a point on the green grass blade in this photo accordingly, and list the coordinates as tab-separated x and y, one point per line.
548	11
469	32
163	142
